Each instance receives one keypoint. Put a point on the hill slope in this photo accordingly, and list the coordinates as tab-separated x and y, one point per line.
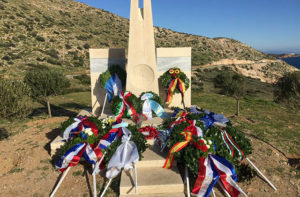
59	33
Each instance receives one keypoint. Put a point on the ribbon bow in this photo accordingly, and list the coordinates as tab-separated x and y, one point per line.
211	169
74	154
80	124
181	87
151	105
125	156
117	131
125	104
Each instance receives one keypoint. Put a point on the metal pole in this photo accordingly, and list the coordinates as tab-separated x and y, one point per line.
187	181
60	181
104	105
136	179
106	187
94	182
261	174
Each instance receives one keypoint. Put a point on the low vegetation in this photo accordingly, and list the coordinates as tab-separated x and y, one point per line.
15	99
287	90
44	83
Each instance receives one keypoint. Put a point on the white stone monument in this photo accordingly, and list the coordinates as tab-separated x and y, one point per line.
141	67
145	63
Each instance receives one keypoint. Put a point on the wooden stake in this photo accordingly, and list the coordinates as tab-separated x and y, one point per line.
60	181
261	174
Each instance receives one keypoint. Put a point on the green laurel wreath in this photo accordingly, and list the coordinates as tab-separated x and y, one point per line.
190	155
117	101
136	137
114	69
166	79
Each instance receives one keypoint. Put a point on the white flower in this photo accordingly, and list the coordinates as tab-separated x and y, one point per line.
208	146
205	142
103	126
88	131
210	142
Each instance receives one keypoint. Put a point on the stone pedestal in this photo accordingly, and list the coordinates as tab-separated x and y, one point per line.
175	57
100	61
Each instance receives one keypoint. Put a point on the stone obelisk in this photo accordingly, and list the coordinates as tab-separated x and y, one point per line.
141	66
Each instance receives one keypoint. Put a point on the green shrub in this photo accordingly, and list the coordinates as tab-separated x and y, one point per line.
45	82
40	38
287	90
53	53
86	46
3	134
15	99
53	61
84	79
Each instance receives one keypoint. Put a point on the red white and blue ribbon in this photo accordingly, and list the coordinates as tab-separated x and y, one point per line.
74	154
211	169
79	125
125	105
115	133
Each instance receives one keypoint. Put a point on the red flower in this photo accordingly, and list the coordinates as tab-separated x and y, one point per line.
204	148
201	141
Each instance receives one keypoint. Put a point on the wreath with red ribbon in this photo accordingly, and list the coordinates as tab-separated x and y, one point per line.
175	81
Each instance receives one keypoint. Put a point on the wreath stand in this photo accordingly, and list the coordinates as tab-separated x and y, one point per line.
64	174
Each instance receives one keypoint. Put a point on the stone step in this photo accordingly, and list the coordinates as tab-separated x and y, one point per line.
155	180
153	157
156	195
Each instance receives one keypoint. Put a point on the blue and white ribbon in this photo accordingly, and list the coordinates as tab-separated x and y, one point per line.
151	105
113	87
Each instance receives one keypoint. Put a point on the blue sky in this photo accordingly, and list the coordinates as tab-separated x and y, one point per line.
267	25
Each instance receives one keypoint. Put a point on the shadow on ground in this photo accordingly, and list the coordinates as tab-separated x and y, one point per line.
65	109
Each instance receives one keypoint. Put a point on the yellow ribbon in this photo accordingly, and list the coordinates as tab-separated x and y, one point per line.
176	148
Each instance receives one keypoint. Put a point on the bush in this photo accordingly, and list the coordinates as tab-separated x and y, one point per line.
287	89
84	79
40	38
86	46
15	99
45	82
3	134
52	53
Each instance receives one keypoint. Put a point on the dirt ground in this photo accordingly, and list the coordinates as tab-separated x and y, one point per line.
26	168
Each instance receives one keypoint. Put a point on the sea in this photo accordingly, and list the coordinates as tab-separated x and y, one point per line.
294	61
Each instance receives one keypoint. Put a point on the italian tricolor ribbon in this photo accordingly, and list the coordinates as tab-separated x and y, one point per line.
125	104
176	148
176	82
230	144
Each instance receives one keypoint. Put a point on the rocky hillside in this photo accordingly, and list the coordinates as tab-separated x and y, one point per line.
58	33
